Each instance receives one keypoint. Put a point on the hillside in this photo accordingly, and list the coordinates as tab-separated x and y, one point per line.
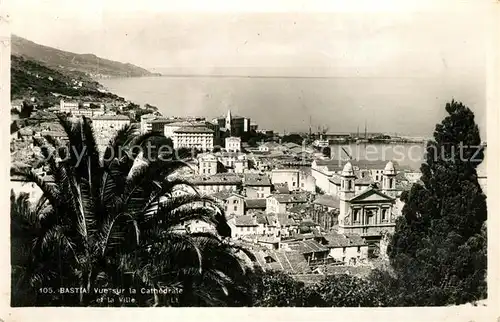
30	78
66	61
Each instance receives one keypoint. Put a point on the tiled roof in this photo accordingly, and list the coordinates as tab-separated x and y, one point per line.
336	163
261	219
194	129
112	118
281	188
268	239
328	200
366	180
222	195
245	221
255	203
256	180
307	246
308	223
220	178
335	239
290	198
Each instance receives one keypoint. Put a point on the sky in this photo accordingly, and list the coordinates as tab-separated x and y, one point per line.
446	44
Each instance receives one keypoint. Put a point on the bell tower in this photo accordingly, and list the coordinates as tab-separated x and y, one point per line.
389	180
346	192
228	121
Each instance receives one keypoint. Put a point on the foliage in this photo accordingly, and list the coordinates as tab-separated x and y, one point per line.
32	78
26	110
14	127
114	223
276	288
439	248
293	138
350	291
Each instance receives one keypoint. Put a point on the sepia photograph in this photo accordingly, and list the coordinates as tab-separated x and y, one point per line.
247	158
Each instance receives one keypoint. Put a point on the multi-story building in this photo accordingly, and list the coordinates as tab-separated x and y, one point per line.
233	144
323	170
236	125
207	164
243	226
256	186
146	120
106	126
296	179
209	184
67	107
234	161
280	203
200	138
158	124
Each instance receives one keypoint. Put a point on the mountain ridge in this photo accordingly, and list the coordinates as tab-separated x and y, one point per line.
88	63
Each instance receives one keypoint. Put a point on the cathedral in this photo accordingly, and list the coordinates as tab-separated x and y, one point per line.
368	212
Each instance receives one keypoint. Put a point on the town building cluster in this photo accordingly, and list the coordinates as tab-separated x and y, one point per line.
294	208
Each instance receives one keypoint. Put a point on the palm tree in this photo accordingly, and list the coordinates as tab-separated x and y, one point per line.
111	223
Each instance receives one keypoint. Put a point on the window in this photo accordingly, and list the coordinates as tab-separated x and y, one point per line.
384	214
355	215
359	248
343	249
235	208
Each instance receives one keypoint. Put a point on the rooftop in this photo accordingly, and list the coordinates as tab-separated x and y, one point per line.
255	203
250	179
112	118
194	129
285	220
335	239
307	246
367	180
281	188
290	198
328	201
219	178
222	195
244	221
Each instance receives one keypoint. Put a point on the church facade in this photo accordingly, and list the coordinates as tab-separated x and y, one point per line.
369	212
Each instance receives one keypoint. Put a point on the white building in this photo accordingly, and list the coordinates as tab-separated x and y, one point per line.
296	179
105	128
207	164
200	138
146	119
233	144
67	107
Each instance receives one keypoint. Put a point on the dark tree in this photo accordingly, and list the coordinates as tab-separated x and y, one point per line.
26	110
293	138
438	250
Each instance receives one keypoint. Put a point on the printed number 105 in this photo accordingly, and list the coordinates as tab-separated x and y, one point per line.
46	290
